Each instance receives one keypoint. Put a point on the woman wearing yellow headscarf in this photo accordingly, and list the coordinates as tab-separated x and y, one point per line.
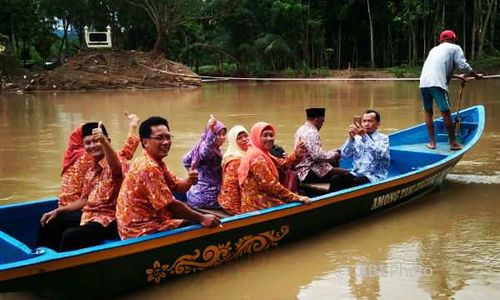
229	197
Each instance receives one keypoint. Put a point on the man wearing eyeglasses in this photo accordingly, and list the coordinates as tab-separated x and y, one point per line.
145	203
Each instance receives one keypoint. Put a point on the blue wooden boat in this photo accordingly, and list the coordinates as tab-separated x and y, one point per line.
120	266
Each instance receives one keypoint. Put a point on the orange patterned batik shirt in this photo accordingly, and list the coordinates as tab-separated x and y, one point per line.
261	189
72	180
73	177
101	188
146	192
230	197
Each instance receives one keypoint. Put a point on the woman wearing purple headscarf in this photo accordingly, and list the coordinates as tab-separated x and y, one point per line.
206	158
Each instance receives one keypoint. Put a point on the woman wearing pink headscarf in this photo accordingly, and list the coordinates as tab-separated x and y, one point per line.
258	173
75	164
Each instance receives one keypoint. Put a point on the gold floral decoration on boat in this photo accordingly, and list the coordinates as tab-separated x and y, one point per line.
157	273
215	255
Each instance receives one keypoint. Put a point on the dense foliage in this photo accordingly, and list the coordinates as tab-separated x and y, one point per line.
255	36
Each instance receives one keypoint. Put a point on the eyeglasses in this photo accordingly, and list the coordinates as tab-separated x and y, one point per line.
162	138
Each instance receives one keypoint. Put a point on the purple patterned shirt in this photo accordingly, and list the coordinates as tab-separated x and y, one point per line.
204	193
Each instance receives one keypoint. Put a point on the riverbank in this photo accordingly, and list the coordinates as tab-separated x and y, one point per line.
105	70
119	69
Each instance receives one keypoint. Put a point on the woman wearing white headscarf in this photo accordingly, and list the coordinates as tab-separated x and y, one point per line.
229	197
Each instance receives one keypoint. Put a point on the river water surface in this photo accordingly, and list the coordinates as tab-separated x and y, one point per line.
443	246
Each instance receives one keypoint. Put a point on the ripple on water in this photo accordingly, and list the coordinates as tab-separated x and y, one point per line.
472	178
473	163
7	198
492	135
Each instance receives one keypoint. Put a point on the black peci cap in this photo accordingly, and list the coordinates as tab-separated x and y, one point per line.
88	127
315	112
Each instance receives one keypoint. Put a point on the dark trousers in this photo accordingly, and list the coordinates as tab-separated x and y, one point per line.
87	235
50	234
314	178
347	180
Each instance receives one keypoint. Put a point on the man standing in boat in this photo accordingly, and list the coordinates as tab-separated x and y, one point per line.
146	204
369	150
317	165
434	79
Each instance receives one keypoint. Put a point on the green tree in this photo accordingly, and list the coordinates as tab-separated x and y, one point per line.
167	15
409	12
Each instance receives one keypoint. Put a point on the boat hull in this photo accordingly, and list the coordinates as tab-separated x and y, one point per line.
117	267
152	261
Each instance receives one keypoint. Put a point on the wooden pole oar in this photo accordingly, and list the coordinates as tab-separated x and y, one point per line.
490	76
458	120
484	77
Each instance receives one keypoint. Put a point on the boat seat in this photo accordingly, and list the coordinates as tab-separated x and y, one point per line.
12	250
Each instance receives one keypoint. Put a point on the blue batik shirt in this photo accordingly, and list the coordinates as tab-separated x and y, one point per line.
370	155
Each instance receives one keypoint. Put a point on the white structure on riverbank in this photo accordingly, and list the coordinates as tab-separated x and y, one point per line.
96	39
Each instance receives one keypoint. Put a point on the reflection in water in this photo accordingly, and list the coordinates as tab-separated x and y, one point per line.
444	246
425	258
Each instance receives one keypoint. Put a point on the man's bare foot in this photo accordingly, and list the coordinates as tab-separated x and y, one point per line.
455	146
431	146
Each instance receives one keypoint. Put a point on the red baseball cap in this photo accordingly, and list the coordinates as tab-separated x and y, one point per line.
447	35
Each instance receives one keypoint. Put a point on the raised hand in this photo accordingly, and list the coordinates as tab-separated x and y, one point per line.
98	133
192	178
361	131
212	122
133	120
353	130
356	120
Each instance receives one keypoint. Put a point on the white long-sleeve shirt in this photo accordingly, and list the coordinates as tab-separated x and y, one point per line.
440	63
